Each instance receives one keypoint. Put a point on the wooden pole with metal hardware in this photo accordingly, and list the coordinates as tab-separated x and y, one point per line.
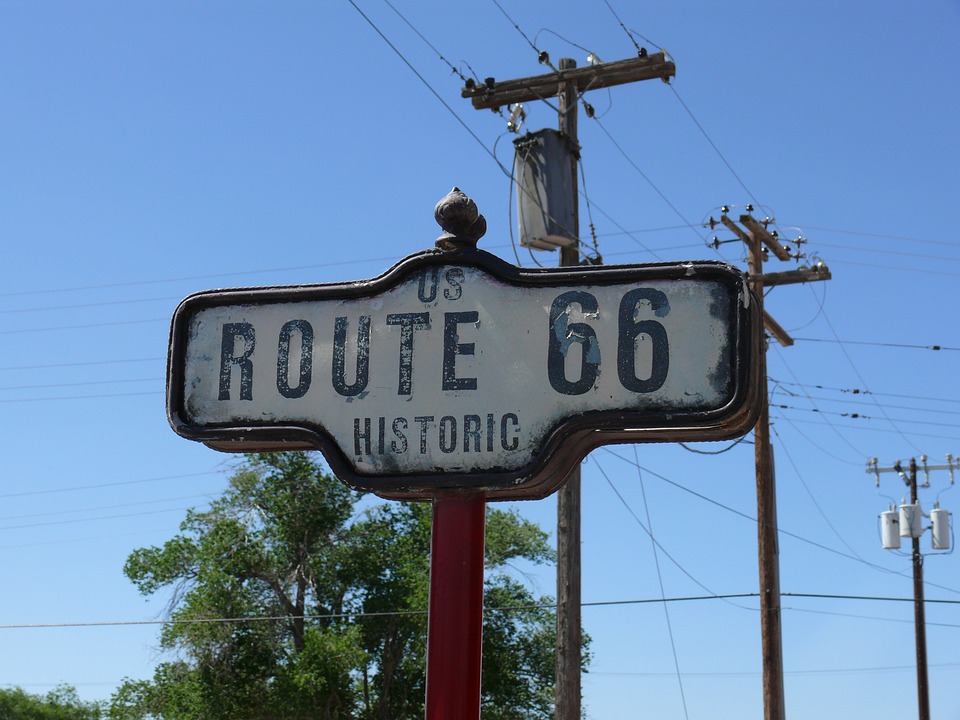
759	240
568	84
569	627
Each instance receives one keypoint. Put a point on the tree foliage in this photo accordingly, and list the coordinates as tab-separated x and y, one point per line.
61	703
293	597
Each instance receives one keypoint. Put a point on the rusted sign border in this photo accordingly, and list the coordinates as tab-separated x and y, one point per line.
566	445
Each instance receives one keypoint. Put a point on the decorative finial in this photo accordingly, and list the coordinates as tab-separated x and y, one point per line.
462	223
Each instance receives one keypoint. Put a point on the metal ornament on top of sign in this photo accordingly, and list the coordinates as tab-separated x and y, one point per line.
455	370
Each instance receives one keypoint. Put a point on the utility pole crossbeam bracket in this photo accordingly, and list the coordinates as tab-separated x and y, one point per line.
781	335
800	275
760	232
495	95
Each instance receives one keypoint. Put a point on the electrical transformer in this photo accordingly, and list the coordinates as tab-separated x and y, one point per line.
545	185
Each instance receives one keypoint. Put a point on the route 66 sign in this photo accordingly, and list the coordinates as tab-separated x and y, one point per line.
455	370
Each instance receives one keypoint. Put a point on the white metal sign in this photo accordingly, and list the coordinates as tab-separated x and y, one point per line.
456	368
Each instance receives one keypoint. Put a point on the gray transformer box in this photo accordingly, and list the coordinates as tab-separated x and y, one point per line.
543	172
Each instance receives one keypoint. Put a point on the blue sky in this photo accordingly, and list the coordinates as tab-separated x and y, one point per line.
151	150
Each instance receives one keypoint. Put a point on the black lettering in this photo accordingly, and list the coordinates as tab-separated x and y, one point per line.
448	433
563	334
471	431
228	358
514	441
422	293
306	359
399	445
454	278
490	431
452	348
382	427
358	436
424	420
630	329
339	356
408	322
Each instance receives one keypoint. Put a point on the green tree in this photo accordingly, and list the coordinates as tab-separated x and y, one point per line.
61	703
293	597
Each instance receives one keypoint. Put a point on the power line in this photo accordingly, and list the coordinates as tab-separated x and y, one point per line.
81	363
86	383
91	519
900	270
780	530
666	607
830	671
453	67
884	236
102	507
191	278
401	613
104	396
876	344
642	174
881	251
863	382
162	478
858	451
869	429
858	391
861	416
430	88
848	401
812	497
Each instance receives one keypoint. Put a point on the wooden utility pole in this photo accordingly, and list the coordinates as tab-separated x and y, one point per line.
568	84
758	241
919	609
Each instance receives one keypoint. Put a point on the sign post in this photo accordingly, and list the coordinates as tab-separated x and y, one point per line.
457	378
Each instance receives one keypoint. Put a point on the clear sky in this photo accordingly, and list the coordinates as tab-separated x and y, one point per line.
150	150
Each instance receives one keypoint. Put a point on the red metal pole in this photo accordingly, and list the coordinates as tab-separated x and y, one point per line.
456	607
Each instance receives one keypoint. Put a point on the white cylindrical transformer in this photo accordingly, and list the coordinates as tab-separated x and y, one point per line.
941	528
890	529
911	521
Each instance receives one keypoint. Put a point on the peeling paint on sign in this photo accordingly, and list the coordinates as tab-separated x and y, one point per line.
455	370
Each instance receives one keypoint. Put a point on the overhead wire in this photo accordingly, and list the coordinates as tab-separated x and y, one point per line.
100	486
103	396
863	382
780	530
813	498
423	80
190	278
453	67
647	178
858	391
99	508
840	435
889	431
883	236
907	346
646	529
861	416
848	401
402	613
666	607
